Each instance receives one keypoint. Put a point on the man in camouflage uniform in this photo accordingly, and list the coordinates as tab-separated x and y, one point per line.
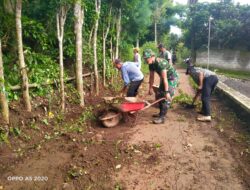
168	82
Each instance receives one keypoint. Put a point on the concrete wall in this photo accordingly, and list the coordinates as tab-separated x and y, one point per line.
229	59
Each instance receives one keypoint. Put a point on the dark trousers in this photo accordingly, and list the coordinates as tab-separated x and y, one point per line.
209	84
163	105
188	70
133	88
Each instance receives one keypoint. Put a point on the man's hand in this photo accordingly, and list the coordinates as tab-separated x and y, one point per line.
168	97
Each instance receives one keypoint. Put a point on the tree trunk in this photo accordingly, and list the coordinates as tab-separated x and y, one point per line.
91	34
193	31
137	42
118	32
60	18
22	65
78	12
111	57
156	33
105	35
104	59
97	8
193	49
3	99
8	6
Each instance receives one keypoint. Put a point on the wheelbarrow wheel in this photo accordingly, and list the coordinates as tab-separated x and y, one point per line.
110	118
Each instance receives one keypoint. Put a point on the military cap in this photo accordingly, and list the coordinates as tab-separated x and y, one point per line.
147	53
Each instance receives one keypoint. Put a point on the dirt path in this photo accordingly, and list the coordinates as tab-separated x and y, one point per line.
180	154
190	154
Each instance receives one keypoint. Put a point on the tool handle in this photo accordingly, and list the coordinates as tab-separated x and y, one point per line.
155	102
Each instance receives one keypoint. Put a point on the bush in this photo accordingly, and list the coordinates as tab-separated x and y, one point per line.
126	52
41	69
182	52
149	45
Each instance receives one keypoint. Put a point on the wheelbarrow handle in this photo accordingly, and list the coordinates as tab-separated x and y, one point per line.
150	104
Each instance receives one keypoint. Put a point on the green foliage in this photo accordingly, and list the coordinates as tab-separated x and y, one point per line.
126	51
4	136
193	83
73	95
182	52
41	69
229	27
34	34
111	70
183	98
15	131
149	45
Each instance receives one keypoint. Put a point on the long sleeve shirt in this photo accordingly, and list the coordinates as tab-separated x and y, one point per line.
131	72
195	71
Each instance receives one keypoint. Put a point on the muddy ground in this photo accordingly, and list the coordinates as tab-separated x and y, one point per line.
71	152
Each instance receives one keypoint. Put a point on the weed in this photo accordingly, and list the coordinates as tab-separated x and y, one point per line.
47	137
193	84
242	138
34	126
45	121
118	186
157	145
4	136
15	131
117	150
181	118
26	137
72	95
183	98
75	172
60	117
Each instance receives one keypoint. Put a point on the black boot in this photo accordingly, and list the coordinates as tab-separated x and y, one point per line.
156	115
159	120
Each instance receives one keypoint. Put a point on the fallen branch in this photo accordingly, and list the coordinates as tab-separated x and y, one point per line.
35	85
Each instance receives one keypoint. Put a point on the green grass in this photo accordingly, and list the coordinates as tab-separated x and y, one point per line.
234	73
239	74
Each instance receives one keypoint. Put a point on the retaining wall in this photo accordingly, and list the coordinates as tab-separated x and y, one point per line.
228	59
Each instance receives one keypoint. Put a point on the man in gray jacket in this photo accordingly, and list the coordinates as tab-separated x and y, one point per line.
206	81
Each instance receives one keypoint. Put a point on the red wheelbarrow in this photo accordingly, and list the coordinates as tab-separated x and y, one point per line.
127	111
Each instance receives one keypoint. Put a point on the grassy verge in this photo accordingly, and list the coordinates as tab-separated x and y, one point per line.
232	73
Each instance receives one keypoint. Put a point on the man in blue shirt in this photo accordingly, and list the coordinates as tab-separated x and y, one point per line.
131	75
